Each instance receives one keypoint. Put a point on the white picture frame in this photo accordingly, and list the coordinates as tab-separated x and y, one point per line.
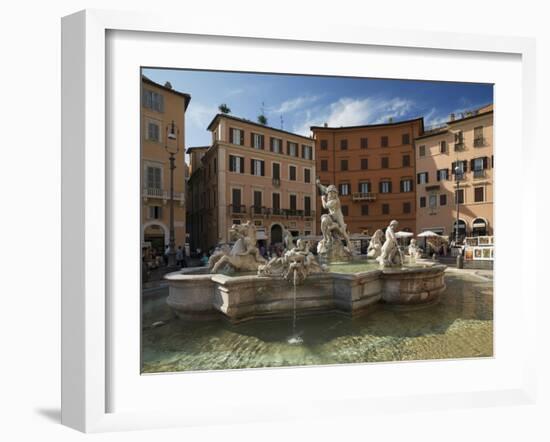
87	261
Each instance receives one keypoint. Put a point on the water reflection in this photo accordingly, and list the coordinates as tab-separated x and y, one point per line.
459	326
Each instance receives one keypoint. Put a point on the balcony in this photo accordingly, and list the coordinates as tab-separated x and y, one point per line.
479	173
276	182
259	211
460	147
236	210
290	213
364	196
479	142
155	193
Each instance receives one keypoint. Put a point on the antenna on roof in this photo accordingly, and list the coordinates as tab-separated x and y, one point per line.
282	122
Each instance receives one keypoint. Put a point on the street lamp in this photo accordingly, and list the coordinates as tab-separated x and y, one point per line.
172	133
458	177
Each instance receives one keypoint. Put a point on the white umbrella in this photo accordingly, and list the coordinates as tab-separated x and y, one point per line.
403	234
426	234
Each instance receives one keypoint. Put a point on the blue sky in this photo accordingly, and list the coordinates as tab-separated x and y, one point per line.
303	101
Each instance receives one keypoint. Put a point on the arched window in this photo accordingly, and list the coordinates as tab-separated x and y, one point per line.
479	227
461	230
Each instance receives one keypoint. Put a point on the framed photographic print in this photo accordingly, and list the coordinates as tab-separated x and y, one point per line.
167	190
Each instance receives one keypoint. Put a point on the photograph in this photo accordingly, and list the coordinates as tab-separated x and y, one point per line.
306	220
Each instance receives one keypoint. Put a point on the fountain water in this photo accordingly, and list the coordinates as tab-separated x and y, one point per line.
294	338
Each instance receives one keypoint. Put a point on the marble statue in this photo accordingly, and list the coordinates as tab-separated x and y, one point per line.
288	239
375	245
295	265
390	255
414	251
243	256
333	227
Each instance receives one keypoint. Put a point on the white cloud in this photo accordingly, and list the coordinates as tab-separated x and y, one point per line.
294	104
200	115
355	112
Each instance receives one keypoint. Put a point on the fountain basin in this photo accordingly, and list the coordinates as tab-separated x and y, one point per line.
244	297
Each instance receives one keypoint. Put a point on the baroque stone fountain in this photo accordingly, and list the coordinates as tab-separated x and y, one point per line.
299	281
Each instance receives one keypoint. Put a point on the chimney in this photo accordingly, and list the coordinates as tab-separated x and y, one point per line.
325	124
390	120
452	117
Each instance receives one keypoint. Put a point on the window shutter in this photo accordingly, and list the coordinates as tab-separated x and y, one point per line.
288	147
241	159
252	167
453	167
251	139
390	186
465	166
447	173
472	164
242	137
417	178
484	163
263	168
271	144
438	175
230	163
380	187
262	141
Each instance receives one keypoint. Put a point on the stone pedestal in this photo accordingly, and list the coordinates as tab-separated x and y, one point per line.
333	252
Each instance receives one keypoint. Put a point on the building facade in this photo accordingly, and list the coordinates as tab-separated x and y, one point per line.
467	143
251	172
374	170
160	107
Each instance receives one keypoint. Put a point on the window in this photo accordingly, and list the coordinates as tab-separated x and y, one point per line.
407	207
276	203
422	201
443	146
292	173
479	164
478	136
364	163
422	178
307	175
307	205
442	174
364	143
257	141
385	186
155	212
343	144
257	201
237	136
385	162
462	168
422	151
307	152
459	196
343	164
236	200
292	149
406	185
406	160
459	140
257	167
344	189
364	187
324	144
153	100
385	209
276	145
153	131
276	171
384	141
432	201
443	200
478	194
154	180
324	165
345	210
406	139
236	164
364	209
292	202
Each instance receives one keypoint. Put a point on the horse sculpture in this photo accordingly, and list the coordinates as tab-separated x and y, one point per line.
243	256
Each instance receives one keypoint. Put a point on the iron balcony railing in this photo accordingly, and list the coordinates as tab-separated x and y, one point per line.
479	173
236	209
363	196
153	192
459	146
479	142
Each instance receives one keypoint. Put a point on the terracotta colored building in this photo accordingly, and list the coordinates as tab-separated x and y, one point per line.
466	142
160	106
251	172
374	170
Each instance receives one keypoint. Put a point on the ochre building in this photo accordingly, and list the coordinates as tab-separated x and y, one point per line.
160	106
251	172
465	142
373	167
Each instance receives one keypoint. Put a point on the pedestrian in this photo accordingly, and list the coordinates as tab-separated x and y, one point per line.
166	253
179	257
